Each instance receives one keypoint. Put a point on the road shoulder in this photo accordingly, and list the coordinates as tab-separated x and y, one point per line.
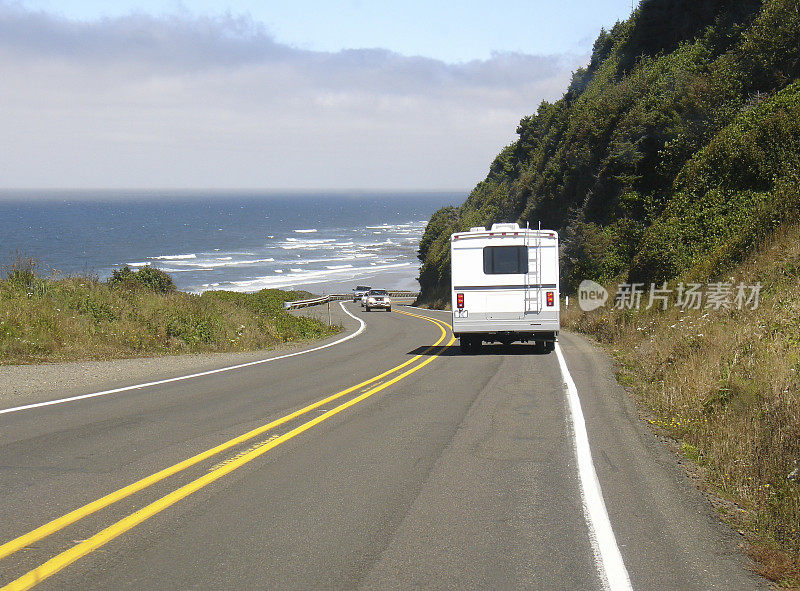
653	504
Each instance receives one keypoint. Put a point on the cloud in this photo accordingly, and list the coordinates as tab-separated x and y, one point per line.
185	101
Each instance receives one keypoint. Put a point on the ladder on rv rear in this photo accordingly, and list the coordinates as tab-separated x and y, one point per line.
533	279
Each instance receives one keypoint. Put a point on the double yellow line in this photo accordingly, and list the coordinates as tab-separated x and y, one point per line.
83	548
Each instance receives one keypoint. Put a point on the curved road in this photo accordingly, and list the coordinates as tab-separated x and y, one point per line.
437	471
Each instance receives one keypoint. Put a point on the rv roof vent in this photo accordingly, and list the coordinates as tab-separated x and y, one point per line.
477	229
505	227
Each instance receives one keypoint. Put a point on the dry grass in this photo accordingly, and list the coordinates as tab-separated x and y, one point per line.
725	385
79	318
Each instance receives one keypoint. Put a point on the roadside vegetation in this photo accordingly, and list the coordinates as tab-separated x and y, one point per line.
724	385
135	314
674	155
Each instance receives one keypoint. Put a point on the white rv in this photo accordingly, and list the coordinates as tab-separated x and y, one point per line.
504	286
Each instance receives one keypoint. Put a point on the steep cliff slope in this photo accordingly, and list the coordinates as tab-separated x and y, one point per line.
680	136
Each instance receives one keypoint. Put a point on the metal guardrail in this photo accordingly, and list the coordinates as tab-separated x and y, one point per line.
314	301
403	294
340	296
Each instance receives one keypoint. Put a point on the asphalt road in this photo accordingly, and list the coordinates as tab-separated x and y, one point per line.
451	472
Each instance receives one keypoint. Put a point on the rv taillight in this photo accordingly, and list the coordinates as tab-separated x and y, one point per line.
460	301
551	297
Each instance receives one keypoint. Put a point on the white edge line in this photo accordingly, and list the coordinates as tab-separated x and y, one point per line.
606	552
190	376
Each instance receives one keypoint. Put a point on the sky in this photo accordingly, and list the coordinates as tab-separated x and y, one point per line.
278	95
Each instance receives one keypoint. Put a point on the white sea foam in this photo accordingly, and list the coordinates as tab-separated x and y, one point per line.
309	231
174	257
168	270
338	259
321	244
300	277
415	227
218	262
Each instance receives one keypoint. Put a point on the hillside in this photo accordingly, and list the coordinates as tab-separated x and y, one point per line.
674	156
676	148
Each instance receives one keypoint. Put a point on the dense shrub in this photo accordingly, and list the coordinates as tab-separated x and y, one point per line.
147	277
732	194
21	271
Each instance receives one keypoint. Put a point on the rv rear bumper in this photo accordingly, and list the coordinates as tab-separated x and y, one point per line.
540	330
510	337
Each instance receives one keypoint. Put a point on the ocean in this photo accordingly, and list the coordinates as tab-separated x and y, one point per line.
322	243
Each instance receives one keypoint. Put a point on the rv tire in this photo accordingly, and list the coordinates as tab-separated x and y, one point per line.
470	344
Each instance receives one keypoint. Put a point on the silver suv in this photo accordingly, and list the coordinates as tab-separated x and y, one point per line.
377	298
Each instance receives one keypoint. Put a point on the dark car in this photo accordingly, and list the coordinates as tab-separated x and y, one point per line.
359	291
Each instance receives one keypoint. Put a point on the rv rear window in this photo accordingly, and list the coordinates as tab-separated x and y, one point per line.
505	260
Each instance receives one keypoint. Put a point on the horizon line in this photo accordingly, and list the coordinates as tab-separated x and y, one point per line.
243	189
9	194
